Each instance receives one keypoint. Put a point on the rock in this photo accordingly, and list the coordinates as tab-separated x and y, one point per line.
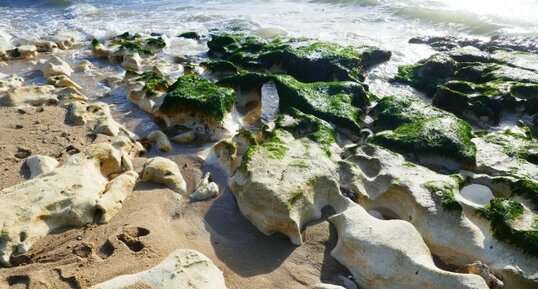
159	138
483	271
164	171
326	286
284	182
27	51
183	268
374	249
206	189
9	83
306	61
424	133
132	61
99	113
113	81
45	46
185	137
40	165
63	41
56	66
189	35
22	153
31	95
84	66
71	195
64	81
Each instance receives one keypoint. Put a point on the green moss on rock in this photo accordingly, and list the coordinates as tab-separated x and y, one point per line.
156	42
154	83
444	136
306	61
133	47
220	67
444	192
190	35
394	111
502	213
514	145
193	92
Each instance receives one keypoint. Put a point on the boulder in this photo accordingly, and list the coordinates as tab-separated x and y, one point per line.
183	268
185	137
40	165
160	170
56	66
88	185
99	113
9	82
27	51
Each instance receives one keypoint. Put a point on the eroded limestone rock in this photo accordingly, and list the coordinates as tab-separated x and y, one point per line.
9	82
99	113
74	194
32	95
183	268
390	254
56	66
160	170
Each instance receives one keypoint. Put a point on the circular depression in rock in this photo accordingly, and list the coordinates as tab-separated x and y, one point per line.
478	194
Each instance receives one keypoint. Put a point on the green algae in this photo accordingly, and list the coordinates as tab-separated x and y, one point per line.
439	135
156	42
193	92
133	47
222	67
444	192
394	111
521	186
502	213
153	83
515	145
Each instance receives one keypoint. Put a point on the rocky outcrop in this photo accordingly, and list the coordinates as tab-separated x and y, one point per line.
99	114
56	66
32	95
374	249
164	171
9	82
89	186
181	269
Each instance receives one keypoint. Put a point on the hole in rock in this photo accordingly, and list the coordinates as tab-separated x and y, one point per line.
270	102
384	214
439	263
477	194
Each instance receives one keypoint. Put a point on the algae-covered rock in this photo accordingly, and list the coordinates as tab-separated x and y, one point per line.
191	92
306	61
341	103
423	132
476	85
190	35
504	215
515	145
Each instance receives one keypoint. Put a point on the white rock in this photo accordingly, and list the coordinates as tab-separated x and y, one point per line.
132	61
181	269
56	66
159	138
99	113
63	41
40	165
185	137
31	95
281	194
390	254
68	196
8	83
45	46
84	66
206	190
160	170
64	81
27	51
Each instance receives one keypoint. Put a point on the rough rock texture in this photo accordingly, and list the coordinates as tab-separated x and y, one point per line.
40	165
98	113
160	170
284	183
9	82
31	95
476	85
206	190
373	249
74	194
383	181
307	61
181	269
56	66
159	138
423	132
